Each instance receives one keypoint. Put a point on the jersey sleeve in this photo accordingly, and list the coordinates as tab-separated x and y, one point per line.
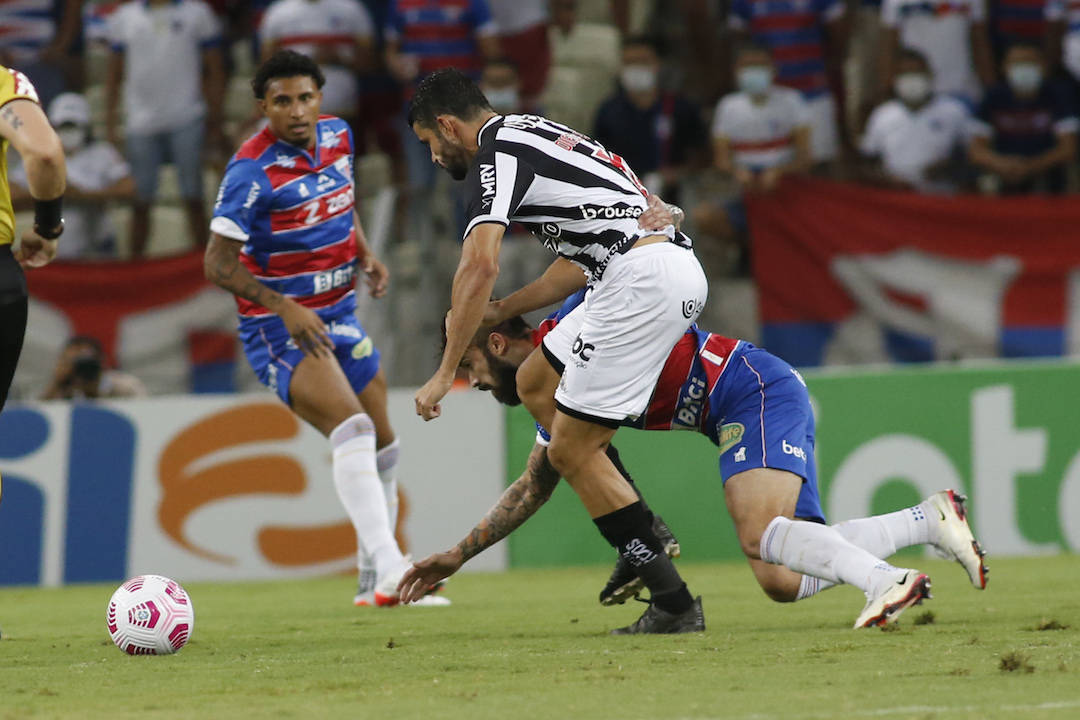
800	110
722	119
872	143
244	193
207	28
16	86
494	188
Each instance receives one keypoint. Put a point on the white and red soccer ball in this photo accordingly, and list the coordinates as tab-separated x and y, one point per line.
150	615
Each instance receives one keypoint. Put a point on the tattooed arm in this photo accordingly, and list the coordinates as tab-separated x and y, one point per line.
518	503
222	266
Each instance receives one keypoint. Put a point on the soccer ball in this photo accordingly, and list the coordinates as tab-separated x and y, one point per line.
150	615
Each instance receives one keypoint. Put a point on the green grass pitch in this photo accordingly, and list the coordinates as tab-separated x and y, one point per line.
533	644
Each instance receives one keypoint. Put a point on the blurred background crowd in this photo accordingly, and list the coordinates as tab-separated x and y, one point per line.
709	101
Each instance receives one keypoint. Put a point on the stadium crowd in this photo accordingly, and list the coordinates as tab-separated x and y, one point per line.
706	100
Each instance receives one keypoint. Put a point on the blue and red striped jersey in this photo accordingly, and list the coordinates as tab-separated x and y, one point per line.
794	33
689	394
441	33
293	210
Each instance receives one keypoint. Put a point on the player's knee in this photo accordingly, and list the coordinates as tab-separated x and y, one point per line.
778	593
564	458
534	396
751	546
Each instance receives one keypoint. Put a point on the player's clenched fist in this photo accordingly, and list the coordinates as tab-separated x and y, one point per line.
429	397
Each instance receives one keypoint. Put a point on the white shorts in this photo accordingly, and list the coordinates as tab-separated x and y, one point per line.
612	347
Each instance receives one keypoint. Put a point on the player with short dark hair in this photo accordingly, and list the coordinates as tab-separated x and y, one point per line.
286	241
731	391
647	287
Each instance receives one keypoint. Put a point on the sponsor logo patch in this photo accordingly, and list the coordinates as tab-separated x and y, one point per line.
795	450
731	435
363	349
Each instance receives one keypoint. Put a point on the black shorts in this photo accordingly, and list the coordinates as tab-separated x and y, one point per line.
12	318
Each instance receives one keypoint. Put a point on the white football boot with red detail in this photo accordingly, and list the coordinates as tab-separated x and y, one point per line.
910	588
952	537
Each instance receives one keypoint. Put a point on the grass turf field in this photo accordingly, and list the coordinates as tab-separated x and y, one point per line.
533	644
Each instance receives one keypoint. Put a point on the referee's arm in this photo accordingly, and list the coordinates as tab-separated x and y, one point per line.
24	125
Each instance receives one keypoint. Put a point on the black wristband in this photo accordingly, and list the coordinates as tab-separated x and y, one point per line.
49	217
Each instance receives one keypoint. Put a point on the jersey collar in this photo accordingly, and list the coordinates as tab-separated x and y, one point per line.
491	121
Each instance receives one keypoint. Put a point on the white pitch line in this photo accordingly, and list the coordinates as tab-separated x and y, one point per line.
906	710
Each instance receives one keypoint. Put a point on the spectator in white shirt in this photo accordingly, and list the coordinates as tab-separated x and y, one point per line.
760	134
951	34
96	175
337	34
917	139
167	56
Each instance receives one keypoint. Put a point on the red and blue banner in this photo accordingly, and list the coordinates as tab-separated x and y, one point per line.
158	319
853	274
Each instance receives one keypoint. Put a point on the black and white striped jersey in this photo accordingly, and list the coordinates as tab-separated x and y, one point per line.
580	200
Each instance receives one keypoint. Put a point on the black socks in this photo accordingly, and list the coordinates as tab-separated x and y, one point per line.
629	530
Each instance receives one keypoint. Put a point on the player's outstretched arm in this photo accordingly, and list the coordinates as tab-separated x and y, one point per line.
562	279
222	266
516	505
473	283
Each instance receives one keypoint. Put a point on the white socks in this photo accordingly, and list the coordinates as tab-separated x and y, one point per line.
387	461
821	551
357	481
883	535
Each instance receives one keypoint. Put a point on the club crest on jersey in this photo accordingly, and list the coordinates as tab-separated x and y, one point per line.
730	435
285	161
329	138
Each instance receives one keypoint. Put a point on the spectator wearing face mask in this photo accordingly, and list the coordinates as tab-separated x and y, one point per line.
96	174
916	140
760	134
1025	134
501	86
807	41
658	132
951	34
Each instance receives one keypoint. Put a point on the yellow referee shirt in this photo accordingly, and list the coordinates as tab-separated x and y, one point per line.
13	86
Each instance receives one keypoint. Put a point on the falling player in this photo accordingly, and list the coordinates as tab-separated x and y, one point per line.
286	241
731	392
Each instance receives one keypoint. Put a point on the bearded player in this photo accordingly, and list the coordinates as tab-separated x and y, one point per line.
286	241
756	409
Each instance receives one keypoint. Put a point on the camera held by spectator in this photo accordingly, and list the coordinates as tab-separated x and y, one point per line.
81	372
